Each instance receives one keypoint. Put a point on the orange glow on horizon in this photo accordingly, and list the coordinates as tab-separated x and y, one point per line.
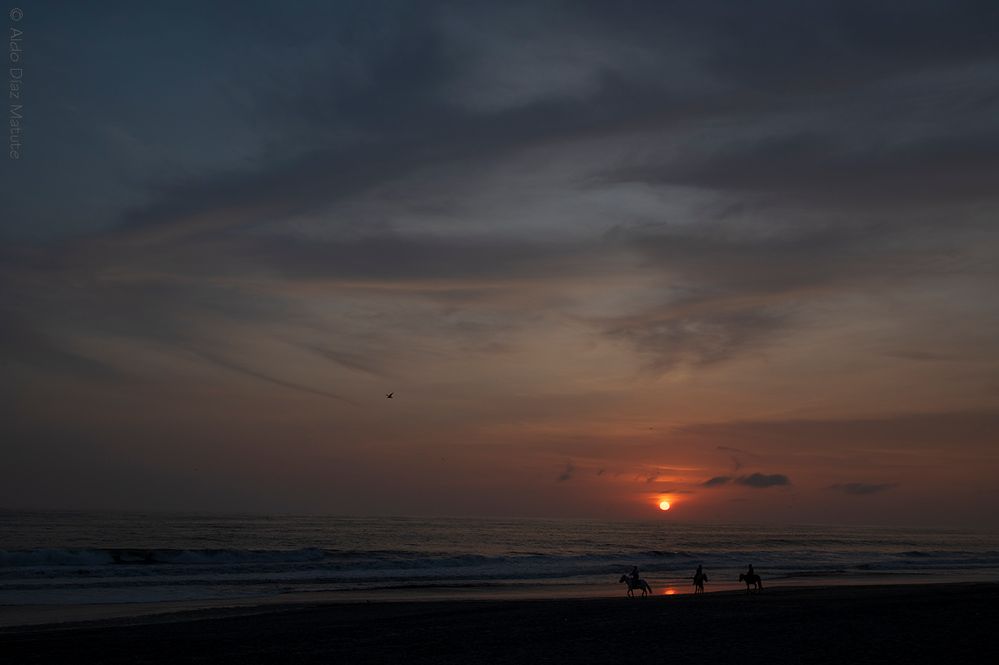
670	591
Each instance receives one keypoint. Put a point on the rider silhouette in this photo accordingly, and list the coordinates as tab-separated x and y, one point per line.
634	575
751	572
700	578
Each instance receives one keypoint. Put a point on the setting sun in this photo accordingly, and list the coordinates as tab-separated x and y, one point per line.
664	505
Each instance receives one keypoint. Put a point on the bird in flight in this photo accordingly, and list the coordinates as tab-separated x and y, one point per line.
389	395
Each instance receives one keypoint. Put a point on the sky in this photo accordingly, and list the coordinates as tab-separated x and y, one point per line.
738	256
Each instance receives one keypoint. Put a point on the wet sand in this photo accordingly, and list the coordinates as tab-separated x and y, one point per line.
942	622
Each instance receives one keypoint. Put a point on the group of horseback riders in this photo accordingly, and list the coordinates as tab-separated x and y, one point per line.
700	577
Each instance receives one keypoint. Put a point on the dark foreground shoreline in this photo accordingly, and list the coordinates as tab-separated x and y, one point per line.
914	624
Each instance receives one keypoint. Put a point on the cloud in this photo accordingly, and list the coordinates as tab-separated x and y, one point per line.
717	481
727	289
672	335
245	370
760	480
739	286
912	433
820	170
21	343
755	480
346	359
392	256
736	454
861	489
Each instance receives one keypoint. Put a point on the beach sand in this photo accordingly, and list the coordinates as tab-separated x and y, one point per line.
918	623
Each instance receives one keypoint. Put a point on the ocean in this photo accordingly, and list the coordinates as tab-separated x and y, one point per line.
82	558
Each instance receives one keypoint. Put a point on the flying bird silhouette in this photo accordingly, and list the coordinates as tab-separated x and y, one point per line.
389	395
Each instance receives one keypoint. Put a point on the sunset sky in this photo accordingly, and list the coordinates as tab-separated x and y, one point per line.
740	256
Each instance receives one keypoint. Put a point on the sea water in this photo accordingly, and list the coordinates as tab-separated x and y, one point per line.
77	558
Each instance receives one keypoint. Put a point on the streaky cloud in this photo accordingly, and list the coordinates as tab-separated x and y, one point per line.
717	481
755	480
263	376
862	489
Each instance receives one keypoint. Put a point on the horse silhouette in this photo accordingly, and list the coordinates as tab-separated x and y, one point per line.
699	580
751	579
636	584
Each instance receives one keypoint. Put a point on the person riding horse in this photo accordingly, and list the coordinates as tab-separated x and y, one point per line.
699	579
633	584
751	579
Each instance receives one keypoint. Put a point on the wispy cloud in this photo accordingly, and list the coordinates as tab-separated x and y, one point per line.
240	368
862	489
567	473
755	480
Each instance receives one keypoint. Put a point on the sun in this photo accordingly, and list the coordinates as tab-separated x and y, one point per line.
664	505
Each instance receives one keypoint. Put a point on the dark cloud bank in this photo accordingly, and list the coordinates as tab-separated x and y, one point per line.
775	112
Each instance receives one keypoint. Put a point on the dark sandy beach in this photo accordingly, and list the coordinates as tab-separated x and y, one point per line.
947	623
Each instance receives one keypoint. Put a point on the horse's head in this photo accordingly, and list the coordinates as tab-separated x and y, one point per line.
742	577
624	578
